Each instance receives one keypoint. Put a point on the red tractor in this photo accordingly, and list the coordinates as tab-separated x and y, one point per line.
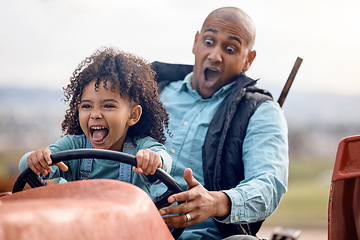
89	209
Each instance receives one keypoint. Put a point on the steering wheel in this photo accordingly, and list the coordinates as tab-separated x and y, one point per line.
29	177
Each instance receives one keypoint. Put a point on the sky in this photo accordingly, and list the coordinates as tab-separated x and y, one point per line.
43	41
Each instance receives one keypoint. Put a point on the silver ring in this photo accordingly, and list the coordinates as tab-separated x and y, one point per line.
188	217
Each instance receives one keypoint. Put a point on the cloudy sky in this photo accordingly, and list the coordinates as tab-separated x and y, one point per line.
42	41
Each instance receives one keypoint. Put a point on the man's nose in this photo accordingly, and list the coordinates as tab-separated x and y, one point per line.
215	54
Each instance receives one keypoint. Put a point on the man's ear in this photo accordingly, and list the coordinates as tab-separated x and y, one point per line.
135	115
196	38
250	58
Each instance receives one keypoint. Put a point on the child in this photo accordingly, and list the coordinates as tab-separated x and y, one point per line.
113	104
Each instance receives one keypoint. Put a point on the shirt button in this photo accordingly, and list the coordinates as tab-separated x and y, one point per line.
200	101
236	218
186	123
172	150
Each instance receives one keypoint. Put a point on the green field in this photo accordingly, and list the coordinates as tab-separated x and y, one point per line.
306	202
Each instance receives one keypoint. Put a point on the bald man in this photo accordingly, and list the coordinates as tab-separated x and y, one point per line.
229	138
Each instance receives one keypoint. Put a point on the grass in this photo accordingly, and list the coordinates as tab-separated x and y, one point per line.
306	202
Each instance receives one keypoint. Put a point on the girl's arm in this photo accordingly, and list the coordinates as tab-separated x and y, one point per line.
160	150
65	143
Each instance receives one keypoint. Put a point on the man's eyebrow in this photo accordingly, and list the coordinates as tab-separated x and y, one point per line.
236	39
211	30
230	38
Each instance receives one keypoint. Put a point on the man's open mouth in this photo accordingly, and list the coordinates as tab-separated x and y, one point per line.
211	74
99	134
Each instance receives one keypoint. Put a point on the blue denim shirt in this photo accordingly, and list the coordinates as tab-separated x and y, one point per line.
265	154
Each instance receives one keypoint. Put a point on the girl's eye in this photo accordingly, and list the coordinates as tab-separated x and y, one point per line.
85	106
108	106
230	49
209	41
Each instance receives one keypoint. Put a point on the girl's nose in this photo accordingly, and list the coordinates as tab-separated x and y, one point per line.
95	114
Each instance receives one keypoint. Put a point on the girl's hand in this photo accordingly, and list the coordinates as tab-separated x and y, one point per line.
147	162
40	161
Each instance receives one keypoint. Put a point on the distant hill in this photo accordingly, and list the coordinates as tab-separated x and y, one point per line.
31	118
318	121
322	108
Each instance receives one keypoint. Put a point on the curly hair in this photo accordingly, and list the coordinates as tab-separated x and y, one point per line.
135	79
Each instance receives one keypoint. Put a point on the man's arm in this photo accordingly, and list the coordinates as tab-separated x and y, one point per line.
265	157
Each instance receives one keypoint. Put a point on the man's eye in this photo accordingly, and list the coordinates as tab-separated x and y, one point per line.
230	49
209	41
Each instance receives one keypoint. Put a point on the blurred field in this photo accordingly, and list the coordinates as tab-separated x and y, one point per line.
305	205
9	168
306	201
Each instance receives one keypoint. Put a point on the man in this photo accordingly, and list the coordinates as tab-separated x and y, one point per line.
229	139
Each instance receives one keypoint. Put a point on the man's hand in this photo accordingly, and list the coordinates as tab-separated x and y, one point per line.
200	204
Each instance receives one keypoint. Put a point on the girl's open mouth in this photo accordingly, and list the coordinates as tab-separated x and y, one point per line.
99	134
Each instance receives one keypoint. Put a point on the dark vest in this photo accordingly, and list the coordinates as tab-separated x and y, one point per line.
222	150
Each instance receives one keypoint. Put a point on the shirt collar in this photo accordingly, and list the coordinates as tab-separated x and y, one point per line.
186	86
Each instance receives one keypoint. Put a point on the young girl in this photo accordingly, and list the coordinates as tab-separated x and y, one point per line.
114	105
